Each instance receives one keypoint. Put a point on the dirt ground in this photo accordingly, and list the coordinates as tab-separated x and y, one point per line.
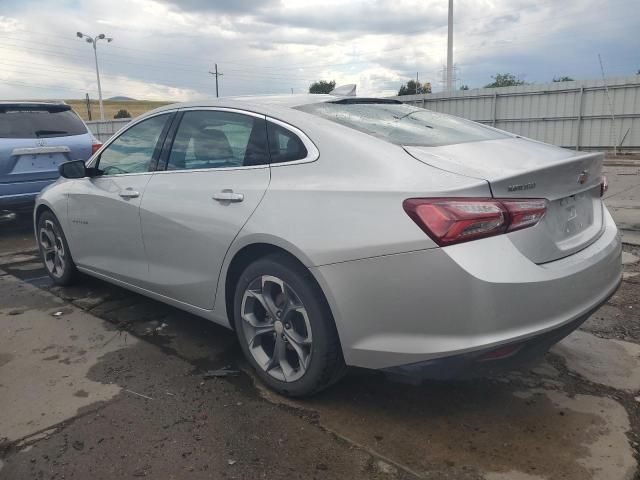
97	382
111	107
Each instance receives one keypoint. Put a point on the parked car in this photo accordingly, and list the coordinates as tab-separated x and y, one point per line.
342	231
35	138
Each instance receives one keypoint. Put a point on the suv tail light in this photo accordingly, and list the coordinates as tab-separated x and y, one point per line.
455	220
95	146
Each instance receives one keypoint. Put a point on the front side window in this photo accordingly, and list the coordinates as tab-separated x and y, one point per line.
133	151
284	145
218	139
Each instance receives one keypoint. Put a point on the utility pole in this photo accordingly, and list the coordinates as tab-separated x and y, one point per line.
216	74
450	50
94	41
416	83
88	107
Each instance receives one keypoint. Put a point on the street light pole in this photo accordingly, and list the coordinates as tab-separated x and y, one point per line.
94	42
450	49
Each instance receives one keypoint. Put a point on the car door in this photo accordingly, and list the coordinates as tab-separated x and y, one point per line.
216	173
104	210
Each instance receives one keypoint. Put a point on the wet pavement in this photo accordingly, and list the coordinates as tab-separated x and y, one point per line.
99	382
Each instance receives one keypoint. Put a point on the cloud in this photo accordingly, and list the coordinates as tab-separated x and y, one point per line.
222	6
165	48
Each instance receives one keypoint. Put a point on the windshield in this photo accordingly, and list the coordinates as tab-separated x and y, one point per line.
403	124
34	123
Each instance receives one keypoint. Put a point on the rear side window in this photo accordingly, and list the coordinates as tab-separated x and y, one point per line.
39	123
403	124
284	145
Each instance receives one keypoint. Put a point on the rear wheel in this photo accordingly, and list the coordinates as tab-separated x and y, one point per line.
55	250
285	327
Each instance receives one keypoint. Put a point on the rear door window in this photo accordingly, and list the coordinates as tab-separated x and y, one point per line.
39	122
218	139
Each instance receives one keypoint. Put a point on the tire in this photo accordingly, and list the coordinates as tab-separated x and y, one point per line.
285	327
54	250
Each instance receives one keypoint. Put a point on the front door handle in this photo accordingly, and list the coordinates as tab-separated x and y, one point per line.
228	196
129	193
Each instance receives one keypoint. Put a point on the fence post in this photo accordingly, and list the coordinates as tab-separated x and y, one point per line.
579	126
495	109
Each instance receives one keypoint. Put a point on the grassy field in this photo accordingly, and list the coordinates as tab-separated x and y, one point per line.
134	107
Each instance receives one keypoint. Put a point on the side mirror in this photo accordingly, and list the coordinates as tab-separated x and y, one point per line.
73	169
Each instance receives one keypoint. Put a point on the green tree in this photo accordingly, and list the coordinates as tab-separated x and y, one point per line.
505	80
412	88
122	113
322	86
464	87
563	79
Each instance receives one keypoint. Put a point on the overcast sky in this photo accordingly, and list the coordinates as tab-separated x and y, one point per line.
163	49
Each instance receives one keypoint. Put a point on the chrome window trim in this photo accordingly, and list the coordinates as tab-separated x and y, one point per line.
221	169
312	151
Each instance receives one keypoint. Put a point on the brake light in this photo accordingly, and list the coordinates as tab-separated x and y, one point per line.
604	185
455	220
95	147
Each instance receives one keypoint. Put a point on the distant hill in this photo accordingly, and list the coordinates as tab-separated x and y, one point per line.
122	98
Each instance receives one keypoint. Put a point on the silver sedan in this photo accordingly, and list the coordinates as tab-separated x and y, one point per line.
342	231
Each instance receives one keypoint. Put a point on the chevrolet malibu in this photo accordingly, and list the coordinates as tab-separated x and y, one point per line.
335	231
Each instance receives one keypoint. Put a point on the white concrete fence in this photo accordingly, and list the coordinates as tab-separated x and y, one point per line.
587	114
104	129
569	114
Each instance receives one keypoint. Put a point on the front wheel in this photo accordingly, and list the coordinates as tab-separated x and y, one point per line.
55	250
285	328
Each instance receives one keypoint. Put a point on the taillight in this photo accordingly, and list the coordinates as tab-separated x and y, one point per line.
95	147
604	185
455	220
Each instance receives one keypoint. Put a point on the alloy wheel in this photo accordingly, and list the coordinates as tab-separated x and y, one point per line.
53	251
276	328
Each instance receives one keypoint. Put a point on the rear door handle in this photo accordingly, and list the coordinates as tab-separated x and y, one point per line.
228	196
129	193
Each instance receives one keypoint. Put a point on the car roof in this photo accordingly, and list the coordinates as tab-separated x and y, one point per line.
270	103
6	105
287	101
30	103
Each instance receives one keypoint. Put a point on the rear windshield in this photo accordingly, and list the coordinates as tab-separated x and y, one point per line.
34	123
403	124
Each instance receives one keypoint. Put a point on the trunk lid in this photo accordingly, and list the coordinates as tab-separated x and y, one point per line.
521	168
29	160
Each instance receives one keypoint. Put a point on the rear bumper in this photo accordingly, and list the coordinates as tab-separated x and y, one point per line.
488	361
398	310
21	195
